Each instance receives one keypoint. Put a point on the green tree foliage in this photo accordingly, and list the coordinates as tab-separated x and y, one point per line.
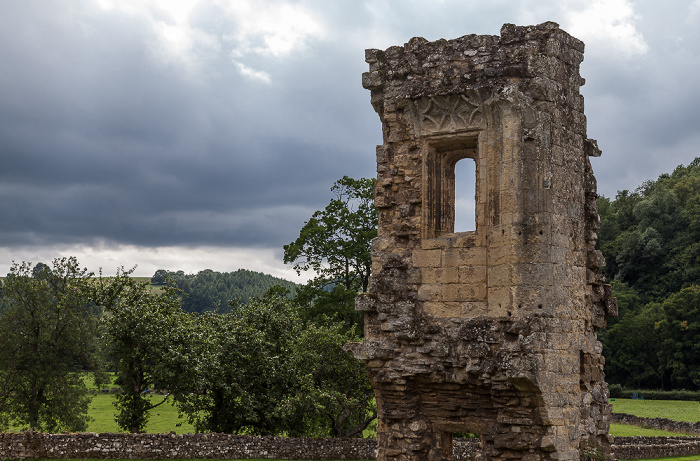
48	336
651	237
141	329
243	369
329	305
336	242
331	406
651	242
210	290
160	277
679	332
632	347
259	370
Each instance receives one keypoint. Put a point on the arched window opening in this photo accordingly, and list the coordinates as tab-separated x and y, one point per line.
465	195
450	186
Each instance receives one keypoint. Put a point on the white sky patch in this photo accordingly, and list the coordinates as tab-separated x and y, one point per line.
150	259
252	73
272	28
610	22
175	41
179	10
693	11
258	27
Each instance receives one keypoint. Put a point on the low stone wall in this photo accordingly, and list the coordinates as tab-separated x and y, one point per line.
658	423
654	447
466	450
164	446
26	445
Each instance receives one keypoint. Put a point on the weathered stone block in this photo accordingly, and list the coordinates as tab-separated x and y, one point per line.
456	257
441	275
427	258
456	292
472	274
430	292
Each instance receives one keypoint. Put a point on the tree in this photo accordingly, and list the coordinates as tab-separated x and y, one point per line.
260	370
334	392
326	306
336	244
679	332
240	369
336	241
160	277
639	255
651	242
48	337
211	290
631	349
141	329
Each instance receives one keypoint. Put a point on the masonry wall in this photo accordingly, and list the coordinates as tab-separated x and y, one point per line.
491	331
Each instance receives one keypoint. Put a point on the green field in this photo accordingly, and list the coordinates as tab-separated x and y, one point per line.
676	410
672	409
164	418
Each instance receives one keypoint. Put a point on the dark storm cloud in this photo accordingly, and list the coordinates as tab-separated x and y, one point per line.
110	133
102	140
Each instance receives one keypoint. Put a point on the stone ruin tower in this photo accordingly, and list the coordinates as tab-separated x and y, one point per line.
491	331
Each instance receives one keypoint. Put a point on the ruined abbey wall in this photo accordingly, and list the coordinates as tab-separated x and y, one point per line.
491	331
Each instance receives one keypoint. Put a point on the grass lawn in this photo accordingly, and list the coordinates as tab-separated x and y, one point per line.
164	418
676	410
148	280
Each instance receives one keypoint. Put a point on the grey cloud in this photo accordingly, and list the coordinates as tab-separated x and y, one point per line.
104	137
100	140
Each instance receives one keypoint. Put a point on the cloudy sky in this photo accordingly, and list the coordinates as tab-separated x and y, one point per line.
195	134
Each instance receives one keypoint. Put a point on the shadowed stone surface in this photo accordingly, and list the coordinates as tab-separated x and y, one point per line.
491	331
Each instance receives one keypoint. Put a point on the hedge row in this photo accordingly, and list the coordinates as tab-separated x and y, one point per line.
618	392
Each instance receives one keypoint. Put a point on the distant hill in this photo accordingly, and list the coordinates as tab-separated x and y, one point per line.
209	290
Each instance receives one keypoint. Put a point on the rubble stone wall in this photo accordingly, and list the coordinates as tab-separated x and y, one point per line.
663	424
654	447
26	445
31	445
491	331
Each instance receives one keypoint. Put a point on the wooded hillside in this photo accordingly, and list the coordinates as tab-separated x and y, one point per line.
209	290
651	242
